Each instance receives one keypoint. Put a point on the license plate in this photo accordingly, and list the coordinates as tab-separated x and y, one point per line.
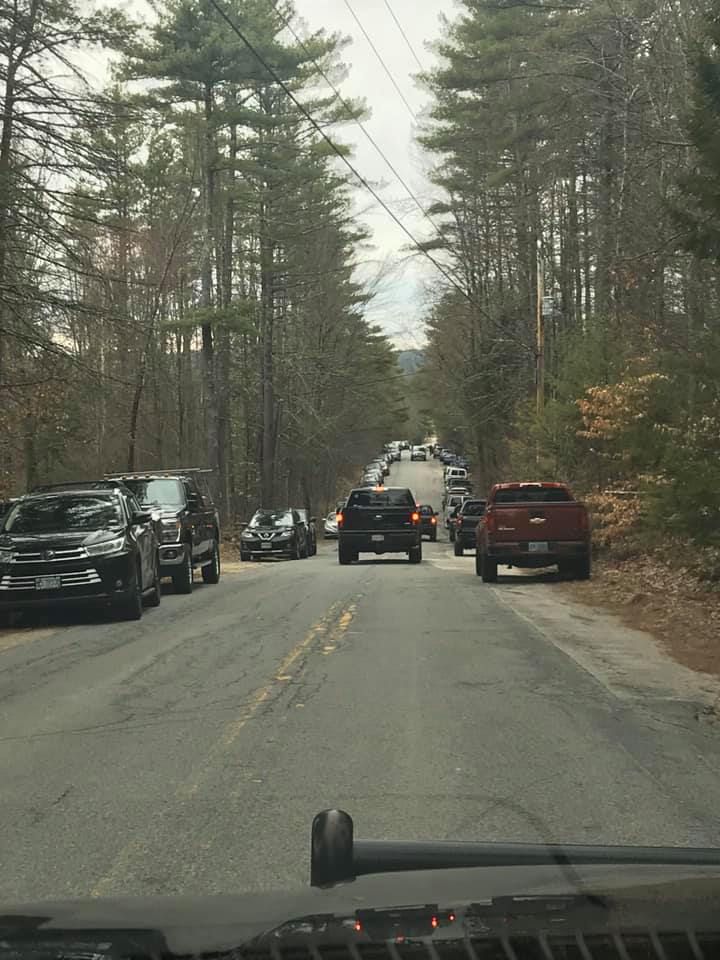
266	546
377	537
538	546
48	583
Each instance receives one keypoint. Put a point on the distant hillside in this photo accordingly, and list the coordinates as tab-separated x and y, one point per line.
410	361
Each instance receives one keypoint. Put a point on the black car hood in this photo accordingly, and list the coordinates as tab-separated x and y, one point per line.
59	541
479	901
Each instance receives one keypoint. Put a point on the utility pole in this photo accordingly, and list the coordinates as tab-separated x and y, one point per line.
540	334
539	342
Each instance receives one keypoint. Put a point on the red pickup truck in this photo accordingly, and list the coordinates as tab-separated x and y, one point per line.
533	525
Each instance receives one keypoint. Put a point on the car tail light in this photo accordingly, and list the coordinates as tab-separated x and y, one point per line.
415	517
490	522
584	521
433	520
340	518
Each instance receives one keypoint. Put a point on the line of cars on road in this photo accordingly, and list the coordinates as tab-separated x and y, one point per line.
108	542
521	524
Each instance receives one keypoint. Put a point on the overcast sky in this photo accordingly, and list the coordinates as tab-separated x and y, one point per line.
398	306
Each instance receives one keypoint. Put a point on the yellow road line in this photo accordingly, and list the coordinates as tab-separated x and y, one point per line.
328	627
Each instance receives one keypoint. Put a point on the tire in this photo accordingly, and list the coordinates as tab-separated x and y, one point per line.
130	607
305	551
156	596
183	578
345	556
245	557
433	537
478	563
488	569
459	550
295	555
211	572
415	554
451	534
582	568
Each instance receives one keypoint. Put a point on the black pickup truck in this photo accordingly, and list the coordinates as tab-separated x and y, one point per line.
189	522
382	520
468	517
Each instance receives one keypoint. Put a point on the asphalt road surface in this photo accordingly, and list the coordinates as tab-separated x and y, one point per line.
187	753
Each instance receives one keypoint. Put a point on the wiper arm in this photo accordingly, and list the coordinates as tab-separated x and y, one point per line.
336	857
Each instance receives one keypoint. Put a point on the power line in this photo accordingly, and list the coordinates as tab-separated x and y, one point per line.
349	108
403	34
382	63
338	152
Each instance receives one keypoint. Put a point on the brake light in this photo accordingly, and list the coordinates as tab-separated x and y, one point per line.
415	517
434	923
340	517
358	926
490	522
584	521
433	520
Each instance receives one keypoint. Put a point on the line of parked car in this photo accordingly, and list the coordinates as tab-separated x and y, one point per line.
108	542
520	524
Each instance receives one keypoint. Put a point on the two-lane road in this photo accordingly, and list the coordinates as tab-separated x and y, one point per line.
188	752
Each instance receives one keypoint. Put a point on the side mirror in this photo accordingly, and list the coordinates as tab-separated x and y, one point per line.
194	502
144	516
313	519
243	525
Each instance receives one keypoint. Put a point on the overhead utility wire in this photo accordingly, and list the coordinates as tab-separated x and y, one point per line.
382	63
349	108
333	146
403	34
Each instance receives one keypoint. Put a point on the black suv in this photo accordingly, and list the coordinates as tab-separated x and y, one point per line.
78	544
189	523
273	533
311	531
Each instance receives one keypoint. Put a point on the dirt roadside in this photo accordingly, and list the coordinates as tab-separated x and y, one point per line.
682	613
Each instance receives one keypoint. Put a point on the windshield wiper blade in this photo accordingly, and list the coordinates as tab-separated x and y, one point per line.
336	857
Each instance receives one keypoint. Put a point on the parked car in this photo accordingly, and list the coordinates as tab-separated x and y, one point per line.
454	501
418	453
446	456
311	531
77	545
189	523
379	521
466	521
451	474
330	529
533	525
274	533
428	521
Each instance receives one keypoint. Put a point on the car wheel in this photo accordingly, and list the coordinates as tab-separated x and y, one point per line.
183	578
130	607
459	550
478	563
156	596
415	554
433	537
488	569
211	572
582	568
295	552
344	556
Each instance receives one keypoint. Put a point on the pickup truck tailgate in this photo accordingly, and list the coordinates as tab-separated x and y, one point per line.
539	521
378	518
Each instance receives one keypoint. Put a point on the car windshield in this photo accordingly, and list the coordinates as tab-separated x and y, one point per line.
381	498
164	492
474	509
272	518
244	244
532	495
61	514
